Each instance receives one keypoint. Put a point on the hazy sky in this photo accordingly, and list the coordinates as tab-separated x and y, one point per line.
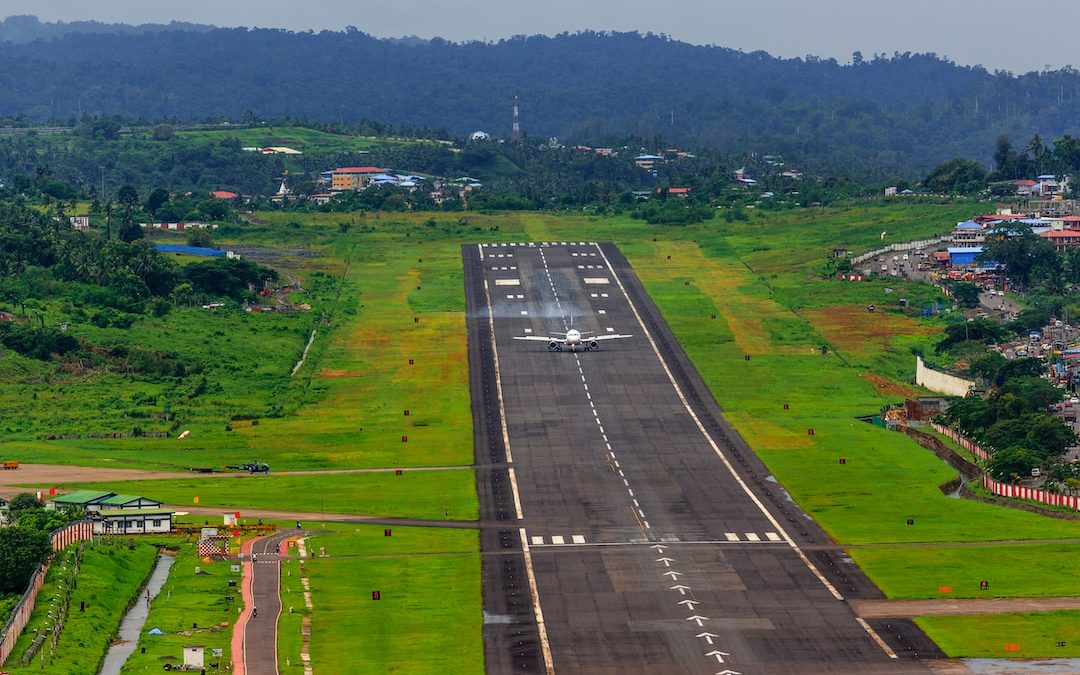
996	33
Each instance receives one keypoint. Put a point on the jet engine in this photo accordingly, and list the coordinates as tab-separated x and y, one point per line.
593	345
553	346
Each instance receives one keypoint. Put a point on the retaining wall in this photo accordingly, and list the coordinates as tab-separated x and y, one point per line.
69	534
902	246
940	382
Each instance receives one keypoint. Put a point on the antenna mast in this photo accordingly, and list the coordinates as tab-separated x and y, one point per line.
515	136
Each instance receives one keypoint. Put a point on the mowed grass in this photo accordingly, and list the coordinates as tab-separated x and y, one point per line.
428	619
406	305
1013	571
190	609
1019	635
109	579
442	495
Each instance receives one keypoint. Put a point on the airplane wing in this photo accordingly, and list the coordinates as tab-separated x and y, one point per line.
540	338
610	337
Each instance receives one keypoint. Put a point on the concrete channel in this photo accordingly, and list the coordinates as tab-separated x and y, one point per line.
135	619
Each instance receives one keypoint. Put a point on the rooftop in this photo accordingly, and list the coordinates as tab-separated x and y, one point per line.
83	497
359	169
105	513
125	499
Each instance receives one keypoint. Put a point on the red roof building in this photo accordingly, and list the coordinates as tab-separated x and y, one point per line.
1062	240
224	194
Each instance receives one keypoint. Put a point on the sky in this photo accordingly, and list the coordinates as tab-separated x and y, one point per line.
998	34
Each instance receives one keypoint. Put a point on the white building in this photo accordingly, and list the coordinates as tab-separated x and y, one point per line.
133	521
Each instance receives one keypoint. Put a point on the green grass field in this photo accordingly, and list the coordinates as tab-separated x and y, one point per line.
440	495
1014	571
428	619
109	579
1021	635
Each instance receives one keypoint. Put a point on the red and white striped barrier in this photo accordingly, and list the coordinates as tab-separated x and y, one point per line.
962	441
1034	494
65	536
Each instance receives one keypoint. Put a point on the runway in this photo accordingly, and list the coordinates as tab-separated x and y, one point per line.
642	535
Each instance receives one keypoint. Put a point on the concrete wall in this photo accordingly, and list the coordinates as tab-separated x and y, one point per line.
902	246
939	382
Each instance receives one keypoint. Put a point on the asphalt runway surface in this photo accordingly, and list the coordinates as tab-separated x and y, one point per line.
639	533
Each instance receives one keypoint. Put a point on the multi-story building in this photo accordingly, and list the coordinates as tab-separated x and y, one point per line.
348	178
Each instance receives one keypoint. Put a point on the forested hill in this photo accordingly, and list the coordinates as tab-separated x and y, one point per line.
873	117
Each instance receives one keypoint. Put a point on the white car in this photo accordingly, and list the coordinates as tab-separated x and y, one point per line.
905	256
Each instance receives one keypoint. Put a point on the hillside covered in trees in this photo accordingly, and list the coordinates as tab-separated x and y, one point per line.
873	117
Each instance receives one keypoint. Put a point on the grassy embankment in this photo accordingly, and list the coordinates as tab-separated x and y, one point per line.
108	580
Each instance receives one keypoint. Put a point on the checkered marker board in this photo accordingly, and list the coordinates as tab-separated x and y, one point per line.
215	545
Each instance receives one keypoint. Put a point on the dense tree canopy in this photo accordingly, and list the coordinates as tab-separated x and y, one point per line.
876	116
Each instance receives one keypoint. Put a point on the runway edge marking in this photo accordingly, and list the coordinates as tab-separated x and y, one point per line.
731	469
538	613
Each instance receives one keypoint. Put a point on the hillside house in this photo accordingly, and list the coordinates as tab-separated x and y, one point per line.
1063	240
348	178
648	162
1050	185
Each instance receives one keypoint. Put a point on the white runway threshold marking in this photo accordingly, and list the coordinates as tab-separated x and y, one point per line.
731	469
508	282
597	280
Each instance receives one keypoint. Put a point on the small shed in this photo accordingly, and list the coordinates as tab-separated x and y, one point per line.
193	657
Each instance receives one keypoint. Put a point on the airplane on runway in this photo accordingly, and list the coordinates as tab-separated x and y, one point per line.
573	339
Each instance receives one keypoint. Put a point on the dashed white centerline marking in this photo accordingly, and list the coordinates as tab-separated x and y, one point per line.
537	541
772	536
557	539
752	536
731	536
578	539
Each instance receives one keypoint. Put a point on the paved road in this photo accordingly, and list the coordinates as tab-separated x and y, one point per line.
260	632
652	539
